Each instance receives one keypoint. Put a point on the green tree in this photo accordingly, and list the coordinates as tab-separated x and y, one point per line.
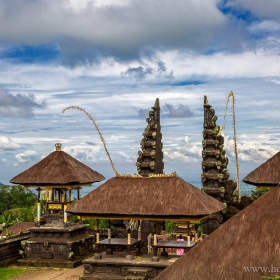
169	226
91	222
258	192
21	214
103	223
15	196
5	220
5	199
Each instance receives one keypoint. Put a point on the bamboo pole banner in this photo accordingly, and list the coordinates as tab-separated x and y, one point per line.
99	132
231	95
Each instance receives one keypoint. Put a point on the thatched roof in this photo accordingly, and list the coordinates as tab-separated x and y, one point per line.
18	227
248	239
153	197
58	168
266	174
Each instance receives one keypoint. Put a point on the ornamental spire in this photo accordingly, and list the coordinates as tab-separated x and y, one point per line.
150	159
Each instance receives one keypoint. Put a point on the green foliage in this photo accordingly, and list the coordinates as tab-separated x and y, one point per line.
12	216
6	219
91	222
74	219
103	223
199	231
169	226
276	277
43	206
21	214
15	197
8	272
257	193
11	233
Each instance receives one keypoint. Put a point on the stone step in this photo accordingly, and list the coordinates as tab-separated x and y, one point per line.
135	278
102	276
136	274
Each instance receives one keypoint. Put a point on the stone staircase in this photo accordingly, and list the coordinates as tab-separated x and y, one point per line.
136	274
102	276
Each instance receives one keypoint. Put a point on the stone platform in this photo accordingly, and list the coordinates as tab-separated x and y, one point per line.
57	246
118	267
51	263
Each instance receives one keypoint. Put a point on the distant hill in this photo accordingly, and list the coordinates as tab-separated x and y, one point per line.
1	184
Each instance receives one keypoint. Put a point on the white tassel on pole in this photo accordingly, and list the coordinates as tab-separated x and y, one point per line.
155	239
38	212
188	241
139	234
65	214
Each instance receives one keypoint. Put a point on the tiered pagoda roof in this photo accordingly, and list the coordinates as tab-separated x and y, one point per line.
150	159
215	177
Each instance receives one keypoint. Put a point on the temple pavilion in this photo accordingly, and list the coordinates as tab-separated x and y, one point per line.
150	195
267	175
245	247
55	239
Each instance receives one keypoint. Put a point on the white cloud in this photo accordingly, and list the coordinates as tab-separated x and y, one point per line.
222	65
275	80
115	138
266	25
191	148
126	29
176	51
127	157
7	144
21	105
248	150
188	152
84	152
27	156
260	8
171	156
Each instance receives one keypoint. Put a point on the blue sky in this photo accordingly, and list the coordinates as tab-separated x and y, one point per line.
114	58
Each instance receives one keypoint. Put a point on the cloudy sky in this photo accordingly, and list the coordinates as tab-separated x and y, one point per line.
114	58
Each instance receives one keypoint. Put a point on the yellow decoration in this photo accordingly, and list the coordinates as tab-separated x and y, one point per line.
58	147
55	206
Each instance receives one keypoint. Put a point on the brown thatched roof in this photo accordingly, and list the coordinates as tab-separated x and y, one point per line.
248	240
20	226
58	168
266	174
153	197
